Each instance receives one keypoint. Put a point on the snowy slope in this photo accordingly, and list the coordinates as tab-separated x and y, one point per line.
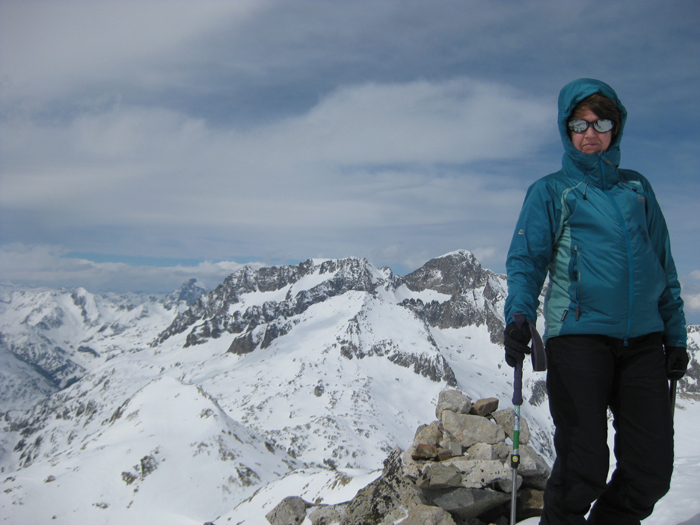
282	381
167	454
51	338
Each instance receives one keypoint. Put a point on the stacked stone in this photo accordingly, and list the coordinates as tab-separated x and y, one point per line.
461	461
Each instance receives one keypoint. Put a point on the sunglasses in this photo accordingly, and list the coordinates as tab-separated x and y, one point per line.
578	125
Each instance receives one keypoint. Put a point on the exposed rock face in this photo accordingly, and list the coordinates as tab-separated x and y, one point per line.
436	481
473	296
381	502
188	293
291	511
477	295
384	500
213	308
689	384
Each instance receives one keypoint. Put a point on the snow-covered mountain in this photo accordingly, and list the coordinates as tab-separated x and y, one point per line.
208	407
51	338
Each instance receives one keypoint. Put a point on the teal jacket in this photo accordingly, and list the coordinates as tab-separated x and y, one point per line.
599	233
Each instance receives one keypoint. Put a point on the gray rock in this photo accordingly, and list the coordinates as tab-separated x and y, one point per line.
461	276
440	475
466	503
328	514
533	468
424	452
449	442
506	419
385	500
531	502
411	467
454	401
484	407
466	488
425	515
452	446
506	485
481	451
485	473
290	511
539	393
469	430
428	434
479	473
502	450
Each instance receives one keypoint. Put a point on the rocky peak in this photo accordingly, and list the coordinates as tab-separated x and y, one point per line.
189	292
451	274
475	297
211	315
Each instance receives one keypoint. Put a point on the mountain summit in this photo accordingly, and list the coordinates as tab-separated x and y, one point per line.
451	291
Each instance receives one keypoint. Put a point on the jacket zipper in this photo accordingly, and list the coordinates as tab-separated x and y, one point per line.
578	281
628	246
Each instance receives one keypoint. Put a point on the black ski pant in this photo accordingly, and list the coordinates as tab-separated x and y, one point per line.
586	376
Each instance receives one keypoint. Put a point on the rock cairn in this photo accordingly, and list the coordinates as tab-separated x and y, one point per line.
456	472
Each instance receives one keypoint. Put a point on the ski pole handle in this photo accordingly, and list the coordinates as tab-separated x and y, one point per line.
518	383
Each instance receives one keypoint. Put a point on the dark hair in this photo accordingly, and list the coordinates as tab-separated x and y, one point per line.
604	108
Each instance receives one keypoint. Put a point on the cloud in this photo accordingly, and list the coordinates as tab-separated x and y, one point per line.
691	292
390	158
267	128
49	49
48	266
456	121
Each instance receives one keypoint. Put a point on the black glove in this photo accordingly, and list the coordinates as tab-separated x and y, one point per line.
516	338
676	362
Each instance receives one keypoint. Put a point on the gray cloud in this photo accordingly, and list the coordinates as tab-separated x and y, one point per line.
366	157
285	130
43	265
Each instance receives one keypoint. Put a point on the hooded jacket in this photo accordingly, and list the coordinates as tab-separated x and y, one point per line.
599	233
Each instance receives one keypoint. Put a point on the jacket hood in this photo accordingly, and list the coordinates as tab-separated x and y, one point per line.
570	95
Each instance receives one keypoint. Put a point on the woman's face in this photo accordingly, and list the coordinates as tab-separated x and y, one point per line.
590	141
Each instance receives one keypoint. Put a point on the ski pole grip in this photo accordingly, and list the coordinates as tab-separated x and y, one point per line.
518	384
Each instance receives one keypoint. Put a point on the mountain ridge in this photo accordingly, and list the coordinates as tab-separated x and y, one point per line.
322	367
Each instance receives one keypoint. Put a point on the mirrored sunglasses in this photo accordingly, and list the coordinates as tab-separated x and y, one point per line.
578	125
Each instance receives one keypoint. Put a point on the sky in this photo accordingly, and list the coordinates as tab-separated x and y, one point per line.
146	142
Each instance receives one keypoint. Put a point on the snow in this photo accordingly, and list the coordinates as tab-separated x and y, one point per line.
403	292
681	506
177	435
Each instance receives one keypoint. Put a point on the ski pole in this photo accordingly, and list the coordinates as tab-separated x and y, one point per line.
515	458
674	383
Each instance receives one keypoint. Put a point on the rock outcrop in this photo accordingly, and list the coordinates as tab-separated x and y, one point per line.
472	296
456	472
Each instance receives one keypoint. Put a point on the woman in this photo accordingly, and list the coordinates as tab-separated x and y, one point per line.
615	328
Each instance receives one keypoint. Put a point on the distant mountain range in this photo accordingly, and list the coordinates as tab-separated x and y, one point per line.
177	409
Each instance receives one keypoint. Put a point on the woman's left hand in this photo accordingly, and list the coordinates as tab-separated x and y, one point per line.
676	362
